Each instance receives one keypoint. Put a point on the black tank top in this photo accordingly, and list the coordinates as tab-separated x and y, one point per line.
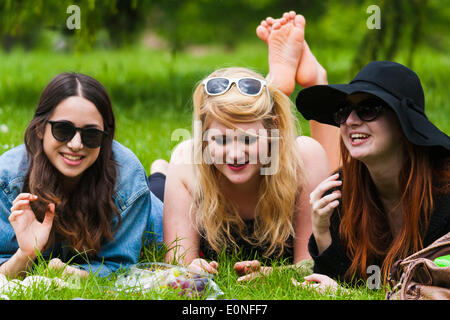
246	250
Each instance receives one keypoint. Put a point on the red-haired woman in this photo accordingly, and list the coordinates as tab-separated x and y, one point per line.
392	195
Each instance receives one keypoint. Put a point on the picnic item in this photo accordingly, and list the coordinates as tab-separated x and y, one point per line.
158	276
443	261
17	286
418	277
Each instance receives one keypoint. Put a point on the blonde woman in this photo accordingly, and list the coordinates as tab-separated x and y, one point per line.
242	184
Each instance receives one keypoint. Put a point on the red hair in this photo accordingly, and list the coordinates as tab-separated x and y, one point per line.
364	225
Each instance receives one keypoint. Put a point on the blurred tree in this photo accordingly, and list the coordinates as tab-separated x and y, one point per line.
399	19
181	22
22	21
221	21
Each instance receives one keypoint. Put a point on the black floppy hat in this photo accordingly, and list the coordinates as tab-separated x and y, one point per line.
393	83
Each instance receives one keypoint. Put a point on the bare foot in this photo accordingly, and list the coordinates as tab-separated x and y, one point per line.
264	29
308	72
284	40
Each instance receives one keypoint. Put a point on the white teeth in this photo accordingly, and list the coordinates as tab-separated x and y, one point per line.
72	158
358	136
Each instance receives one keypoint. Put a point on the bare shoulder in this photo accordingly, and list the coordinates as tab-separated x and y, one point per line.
181	165
309	147
183	151
314	159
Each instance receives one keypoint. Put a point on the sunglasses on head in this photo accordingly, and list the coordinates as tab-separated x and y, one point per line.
247	86
64	131
366	110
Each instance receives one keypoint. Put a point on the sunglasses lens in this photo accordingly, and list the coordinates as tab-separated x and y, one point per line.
341	115
63	131
367	114
250	86
217	85
368	110
92	138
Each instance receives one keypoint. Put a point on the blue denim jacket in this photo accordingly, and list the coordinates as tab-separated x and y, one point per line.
141	213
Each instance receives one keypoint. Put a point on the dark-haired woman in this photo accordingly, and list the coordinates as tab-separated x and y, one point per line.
71	192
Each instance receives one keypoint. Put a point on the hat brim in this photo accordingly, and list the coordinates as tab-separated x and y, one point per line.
320	102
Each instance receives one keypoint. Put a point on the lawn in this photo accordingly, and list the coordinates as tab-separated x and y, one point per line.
152	92
276	286
152	96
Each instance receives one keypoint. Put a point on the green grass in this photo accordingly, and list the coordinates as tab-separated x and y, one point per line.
276	286
152	92
152	96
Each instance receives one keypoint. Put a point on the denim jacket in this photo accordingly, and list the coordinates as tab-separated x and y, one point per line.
140	211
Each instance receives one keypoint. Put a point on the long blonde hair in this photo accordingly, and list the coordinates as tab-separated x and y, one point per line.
216	216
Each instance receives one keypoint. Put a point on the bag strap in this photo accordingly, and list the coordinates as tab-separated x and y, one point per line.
442	242
400	265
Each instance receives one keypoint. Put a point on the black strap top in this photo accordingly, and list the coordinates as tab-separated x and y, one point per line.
246	250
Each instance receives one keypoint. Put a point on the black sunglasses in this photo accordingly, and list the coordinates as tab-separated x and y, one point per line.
64	131
367	110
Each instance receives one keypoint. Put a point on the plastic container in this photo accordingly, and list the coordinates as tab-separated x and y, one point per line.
161	276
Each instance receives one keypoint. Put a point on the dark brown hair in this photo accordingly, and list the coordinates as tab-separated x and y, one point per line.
82	218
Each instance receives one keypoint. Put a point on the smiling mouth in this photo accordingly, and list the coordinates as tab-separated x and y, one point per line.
72	159
358	138
237	166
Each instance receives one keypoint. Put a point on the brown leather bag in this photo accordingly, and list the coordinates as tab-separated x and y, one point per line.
418	278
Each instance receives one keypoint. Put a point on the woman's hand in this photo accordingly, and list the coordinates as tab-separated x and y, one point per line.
201	265
249	270
57	264
30	233
321	209
320	282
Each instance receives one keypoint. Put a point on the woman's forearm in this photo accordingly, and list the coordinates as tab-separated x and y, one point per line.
17	264
323	241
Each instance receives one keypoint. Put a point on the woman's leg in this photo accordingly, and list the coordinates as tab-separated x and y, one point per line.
157	178
289	54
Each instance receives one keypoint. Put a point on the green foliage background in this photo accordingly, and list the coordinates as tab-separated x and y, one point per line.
150	54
